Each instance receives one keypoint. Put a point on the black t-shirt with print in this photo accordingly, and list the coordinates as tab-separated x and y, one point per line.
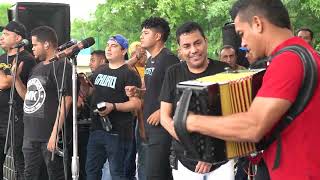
41	99
5	64
153	76
178	73
109	87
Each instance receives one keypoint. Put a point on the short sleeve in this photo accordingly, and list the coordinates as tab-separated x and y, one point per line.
283	77
133	79
168	87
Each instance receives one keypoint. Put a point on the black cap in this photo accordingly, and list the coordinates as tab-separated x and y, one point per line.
17	27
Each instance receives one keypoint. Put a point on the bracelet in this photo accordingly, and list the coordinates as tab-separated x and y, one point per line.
114	106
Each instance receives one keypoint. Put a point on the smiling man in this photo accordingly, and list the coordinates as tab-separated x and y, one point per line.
193	47
265	29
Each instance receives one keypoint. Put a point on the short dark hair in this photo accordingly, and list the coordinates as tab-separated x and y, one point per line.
273	10
159	24
46	33
228	47
189	27
305	29
100	53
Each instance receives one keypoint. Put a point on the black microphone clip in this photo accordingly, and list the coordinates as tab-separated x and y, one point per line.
22	43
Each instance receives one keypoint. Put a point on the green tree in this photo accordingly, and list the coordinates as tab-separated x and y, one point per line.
3	18
126	16
3	13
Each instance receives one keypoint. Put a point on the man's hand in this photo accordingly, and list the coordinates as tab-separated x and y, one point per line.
109	108
203	167
130	91
154	118
14	65
52	143
133	91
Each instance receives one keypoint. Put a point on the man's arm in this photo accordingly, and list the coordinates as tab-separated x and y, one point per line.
133	104
20	87
52	141
5	80
165	118
129	106
251	126
132	61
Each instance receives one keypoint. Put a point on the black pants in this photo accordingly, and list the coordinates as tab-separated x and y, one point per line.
82	149
17	151
157	165
35	153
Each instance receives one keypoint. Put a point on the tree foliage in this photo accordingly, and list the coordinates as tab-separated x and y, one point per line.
125	16
3	13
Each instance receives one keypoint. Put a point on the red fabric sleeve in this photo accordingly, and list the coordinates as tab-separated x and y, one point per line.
283	77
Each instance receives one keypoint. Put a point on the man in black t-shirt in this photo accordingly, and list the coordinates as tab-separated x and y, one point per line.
11	35
155	32
42	119
193	47
109	90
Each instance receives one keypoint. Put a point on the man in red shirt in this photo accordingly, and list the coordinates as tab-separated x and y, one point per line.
265	28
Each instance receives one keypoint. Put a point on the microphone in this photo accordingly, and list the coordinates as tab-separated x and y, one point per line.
67	45
23	43
74	49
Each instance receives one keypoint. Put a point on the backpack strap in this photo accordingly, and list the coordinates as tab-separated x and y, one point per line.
306	91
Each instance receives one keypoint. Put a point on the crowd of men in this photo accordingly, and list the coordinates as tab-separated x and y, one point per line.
130	97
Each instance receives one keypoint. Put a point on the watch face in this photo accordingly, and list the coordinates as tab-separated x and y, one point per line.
101	106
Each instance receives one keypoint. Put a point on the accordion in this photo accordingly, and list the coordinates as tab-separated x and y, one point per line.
218	95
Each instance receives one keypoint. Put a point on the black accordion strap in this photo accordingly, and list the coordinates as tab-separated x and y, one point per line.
180	122
309	82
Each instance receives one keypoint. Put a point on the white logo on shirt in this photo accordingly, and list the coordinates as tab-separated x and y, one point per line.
34	97
106	81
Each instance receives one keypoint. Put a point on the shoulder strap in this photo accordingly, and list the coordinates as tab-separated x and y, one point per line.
308	86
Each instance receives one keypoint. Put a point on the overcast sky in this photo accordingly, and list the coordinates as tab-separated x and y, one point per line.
78	8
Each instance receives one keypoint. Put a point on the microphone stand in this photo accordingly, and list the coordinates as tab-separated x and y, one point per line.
61	95
75	157
11	121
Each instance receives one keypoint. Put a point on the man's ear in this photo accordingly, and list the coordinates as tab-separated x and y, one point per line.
158	36
257	24
124	52
19	38
46	45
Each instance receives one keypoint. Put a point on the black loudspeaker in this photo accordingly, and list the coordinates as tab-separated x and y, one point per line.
35	14
230	37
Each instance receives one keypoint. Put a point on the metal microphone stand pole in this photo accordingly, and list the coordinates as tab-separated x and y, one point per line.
11	123
75	157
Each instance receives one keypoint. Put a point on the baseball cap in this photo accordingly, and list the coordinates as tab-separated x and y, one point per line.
120	40
16	27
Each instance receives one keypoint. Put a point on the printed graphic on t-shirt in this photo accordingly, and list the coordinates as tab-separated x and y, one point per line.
35	96
149	71
106	81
